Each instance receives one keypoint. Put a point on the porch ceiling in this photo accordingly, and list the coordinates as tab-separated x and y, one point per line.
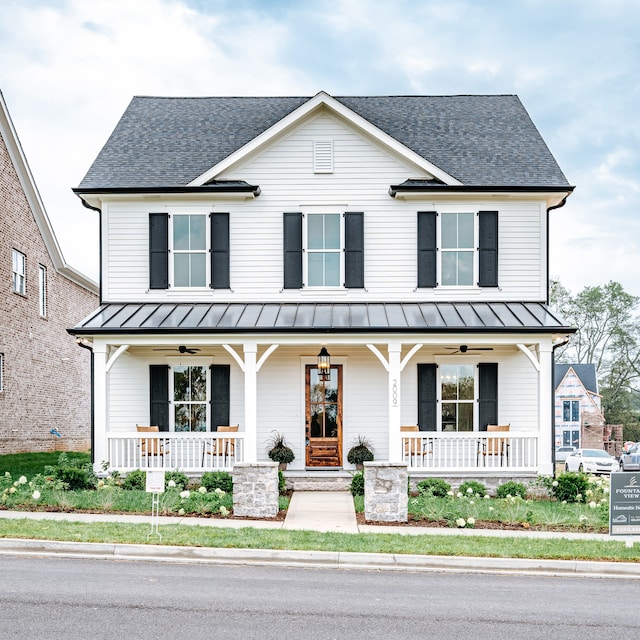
157	318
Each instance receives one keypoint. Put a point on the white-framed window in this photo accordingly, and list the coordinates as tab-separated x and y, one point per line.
42	290
457	249
1	371
189	250
457	396
324	250
18	272
190	400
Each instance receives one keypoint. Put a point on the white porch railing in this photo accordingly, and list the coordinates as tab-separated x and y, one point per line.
187	452
478	451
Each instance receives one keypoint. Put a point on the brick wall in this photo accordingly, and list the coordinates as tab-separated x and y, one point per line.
46	375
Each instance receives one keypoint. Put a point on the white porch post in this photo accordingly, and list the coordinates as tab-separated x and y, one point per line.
100	448
545	465
250	402
395	349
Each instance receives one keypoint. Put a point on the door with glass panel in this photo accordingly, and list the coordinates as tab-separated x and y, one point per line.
189	398
457	396
323	418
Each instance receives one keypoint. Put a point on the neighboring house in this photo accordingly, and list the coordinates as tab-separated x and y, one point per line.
243	239
576	395
45	380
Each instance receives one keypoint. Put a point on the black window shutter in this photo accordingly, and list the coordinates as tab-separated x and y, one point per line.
427	397
292	242
487	394
220	395
427	249
159	396
488	248
158	251
220	251
354	250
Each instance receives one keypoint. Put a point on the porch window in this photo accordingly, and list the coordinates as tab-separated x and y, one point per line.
457	388
189	398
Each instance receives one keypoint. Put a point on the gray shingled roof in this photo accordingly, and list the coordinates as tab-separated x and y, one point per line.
479	140
586	373
427	317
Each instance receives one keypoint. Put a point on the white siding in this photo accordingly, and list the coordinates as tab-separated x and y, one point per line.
360	181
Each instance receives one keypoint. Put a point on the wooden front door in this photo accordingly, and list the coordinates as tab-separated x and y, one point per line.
323	418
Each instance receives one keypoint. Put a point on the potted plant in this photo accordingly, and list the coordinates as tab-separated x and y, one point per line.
279	451
362	451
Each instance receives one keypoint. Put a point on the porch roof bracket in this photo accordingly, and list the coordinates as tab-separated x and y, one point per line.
405	360
235	356
265	355
376	352
527	352
116	354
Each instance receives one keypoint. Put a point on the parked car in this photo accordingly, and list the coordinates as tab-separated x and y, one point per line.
630	460
591	461
563	452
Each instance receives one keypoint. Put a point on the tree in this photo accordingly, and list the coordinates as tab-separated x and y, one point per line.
608	336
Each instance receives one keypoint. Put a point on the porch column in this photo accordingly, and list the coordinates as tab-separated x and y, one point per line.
100	448
250	402
545	441
395	444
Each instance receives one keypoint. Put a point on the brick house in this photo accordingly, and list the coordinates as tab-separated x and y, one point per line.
45	379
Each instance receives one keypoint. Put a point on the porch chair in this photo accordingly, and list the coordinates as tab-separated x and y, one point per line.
151	446
494	446
217	448
415	448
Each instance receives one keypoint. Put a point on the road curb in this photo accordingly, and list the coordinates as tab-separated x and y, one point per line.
319	559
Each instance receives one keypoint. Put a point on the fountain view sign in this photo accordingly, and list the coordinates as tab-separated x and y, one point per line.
624	504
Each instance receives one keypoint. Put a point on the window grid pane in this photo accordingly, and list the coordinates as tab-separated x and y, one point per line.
324	253
457	240
42	282
18	279
189	250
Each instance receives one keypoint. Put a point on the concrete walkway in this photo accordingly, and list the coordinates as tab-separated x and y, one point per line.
321	511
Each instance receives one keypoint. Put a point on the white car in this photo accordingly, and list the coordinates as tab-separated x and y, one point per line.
591	461
563	452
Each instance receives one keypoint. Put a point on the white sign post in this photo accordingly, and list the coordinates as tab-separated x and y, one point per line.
155	486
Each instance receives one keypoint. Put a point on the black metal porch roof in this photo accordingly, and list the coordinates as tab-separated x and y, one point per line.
321	317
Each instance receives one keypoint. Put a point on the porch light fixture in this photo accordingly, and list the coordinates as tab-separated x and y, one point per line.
324	365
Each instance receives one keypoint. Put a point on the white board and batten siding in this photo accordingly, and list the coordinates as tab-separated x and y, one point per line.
362	174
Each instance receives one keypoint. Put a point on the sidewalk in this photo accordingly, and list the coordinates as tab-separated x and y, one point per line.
317	511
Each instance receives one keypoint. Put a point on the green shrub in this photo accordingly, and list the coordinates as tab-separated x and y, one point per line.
436	487
181	479
74	478
135	480
570	487
477	488
213	480
282	483
511	488
357	484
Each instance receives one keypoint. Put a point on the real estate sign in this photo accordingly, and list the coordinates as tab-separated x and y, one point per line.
624	504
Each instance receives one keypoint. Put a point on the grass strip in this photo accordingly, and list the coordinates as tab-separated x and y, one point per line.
249	538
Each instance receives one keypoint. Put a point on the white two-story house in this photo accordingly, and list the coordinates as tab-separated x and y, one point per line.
246	241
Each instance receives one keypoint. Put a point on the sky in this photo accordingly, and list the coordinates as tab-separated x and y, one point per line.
69	68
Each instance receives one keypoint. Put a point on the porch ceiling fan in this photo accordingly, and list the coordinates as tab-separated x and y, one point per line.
463	348
181	349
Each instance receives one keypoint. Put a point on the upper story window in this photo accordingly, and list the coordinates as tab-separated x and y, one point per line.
18	272
324	250
457	249
571	411
42	290
189	250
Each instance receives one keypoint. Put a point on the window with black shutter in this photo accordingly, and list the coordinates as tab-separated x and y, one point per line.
292	244
159	396
220	395
354	250
158	251
427	249
427	397
488	249
487	394
220	251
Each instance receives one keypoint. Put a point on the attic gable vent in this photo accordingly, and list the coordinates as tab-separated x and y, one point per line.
323	156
